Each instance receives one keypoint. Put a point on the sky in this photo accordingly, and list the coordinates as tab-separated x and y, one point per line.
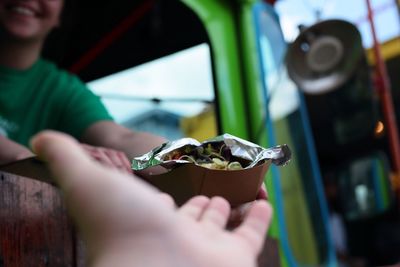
295	12
183	75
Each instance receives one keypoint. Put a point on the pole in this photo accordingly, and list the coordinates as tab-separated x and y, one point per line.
384	91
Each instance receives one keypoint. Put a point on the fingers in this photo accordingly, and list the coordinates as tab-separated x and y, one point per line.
167	199
255	225
118	159
125	162
99	155
263	193
238	214
23	155
194	207
216	213
109	157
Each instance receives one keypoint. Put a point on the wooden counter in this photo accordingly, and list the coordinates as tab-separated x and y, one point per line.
36	231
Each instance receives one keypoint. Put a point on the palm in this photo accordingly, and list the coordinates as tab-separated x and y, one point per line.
213	248
203	237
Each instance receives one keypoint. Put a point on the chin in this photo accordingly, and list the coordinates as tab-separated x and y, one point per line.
22	33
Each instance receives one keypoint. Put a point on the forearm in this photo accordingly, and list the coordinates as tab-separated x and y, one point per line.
111	135
136	143
11	151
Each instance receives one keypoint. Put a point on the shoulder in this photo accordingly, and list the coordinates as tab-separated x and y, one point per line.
58	74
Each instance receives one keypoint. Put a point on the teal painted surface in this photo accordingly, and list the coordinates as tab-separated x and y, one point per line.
302	210
242	106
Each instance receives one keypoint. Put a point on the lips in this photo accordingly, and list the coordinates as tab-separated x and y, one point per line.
23	10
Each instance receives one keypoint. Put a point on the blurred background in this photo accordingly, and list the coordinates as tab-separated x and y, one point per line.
321	76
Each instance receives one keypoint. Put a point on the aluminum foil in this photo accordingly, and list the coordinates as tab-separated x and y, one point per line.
279	155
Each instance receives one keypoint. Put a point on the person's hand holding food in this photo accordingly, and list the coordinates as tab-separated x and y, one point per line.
125	222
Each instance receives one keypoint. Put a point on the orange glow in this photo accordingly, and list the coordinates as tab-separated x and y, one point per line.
379	128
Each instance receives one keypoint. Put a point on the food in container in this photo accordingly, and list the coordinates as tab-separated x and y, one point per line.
225	166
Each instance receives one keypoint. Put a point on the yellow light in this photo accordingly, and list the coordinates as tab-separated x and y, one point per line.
379	129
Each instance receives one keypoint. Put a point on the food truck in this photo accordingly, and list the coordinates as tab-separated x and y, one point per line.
230	76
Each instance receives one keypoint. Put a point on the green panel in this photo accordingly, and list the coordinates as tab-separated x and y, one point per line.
298	218
274	227
237	72
252	78
384	182
218	20
252	75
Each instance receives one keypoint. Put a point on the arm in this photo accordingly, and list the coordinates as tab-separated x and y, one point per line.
12	151
112	135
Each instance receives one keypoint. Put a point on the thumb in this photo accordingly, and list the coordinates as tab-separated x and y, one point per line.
64	156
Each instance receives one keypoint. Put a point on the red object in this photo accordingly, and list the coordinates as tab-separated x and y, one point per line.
271	2
107	40
384	91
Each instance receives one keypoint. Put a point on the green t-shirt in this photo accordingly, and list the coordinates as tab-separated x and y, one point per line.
45	97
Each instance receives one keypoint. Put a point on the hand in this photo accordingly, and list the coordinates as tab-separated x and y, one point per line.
109	157
263	193
125	223
239	213
23	154
11	151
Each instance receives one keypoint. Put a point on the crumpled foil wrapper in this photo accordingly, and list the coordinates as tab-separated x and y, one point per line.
279	155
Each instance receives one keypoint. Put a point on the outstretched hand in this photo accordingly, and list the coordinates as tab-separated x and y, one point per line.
125	223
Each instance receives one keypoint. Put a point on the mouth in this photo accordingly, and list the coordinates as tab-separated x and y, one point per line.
22	10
